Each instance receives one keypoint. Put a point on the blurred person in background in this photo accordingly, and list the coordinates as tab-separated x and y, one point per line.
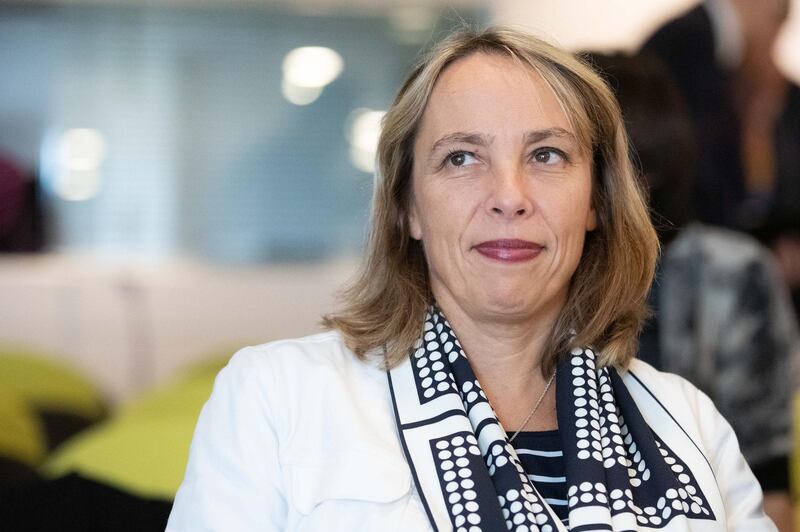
481	373
748	166
21	219
722	314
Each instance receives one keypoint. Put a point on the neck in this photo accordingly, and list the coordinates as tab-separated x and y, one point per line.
505	354
505	350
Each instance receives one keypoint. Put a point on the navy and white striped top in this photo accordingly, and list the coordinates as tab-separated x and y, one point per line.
543	461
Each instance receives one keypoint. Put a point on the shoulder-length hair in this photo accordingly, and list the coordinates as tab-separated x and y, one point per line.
384	306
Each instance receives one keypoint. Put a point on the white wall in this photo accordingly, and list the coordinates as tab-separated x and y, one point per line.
129	327
608	25
602	25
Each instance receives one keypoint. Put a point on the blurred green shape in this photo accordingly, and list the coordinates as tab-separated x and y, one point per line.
21	434
49	385
144	447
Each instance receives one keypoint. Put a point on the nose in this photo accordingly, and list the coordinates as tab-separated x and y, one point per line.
509	198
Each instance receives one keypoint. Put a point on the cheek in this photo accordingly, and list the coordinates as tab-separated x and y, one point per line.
591	220
434	214
414	223
571	217
437	225
417	209
581	205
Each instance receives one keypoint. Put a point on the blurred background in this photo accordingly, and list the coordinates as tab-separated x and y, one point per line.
180	178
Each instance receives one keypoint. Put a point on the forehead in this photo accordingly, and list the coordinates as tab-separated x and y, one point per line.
491	93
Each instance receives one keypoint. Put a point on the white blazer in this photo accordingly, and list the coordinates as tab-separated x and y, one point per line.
300	435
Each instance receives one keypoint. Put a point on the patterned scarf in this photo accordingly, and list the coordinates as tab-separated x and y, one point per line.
620	474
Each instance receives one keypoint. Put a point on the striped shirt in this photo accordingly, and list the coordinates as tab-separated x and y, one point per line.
543	461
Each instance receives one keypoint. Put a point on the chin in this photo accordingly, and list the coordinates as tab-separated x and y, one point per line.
509	303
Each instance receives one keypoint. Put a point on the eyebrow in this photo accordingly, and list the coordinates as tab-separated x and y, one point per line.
532	137
479	139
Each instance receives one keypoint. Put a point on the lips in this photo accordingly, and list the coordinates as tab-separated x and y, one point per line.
509	250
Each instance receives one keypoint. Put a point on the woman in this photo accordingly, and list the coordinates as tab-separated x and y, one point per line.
480	375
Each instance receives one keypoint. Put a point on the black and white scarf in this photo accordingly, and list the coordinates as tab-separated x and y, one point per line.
621	475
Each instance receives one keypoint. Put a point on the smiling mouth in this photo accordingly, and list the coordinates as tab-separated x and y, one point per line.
509	250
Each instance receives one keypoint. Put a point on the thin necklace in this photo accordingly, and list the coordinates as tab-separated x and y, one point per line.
535	407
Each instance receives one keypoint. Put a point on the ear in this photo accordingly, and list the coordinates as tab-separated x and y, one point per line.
591	220
414	227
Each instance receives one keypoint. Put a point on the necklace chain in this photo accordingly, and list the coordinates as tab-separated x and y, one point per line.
535	407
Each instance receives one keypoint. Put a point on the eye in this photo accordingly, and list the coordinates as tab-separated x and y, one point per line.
549	156
460	158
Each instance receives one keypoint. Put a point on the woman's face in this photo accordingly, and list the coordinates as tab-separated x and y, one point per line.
501	192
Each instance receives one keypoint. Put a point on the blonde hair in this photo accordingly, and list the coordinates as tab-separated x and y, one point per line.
384	307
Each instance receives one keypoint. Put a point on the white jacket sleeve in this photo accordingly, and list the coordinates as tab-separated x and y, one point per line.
233	479
741	492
